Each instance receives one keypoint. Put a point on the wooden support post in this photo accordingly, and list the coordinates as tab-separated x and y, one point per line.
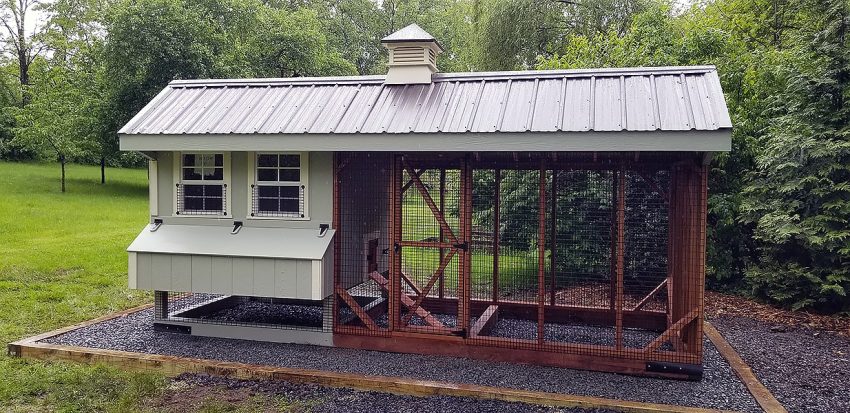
337	239
465	274
613	256
486	322
553	247
442	292
621	242
541	254
393	289
496	239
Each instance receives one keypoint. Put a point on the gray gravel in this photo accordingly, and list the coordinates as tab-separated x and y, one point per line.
718	389
322	399
268	313
807	370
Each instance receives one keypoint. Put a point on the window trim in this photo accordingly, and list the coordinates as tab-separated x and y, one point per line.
178	179
305	181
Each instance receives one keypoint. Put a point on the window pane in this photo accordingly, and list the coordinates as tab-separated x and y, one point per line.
214	204
191	174
204	159
219	159
267	174
289	205
189	160
267	160
267	205
216	174
290	160
289	191
290	175
213	190
267	191
193	190
193	203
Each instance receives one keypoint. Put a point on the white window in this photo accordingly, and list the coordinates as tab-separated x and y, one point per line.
279	188
202	188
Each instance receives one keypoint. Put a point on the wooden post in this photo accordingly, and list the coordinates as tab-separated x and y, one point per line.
553	248
541	254
442	233
395	253
621	215
464	276
496	239
337	243
613	260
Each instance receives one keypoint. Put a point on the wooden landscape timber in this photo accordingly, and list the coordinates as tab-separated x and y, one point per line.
763	396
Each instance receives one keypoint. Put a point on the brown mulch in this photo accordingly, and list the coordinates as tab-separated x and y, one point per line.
718	304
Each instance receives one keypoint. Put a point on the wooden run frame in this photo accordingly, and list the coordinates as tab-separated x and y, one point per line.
676	351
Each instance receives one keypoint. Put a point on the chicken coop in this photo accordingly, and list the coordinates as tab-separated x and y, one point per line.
551	217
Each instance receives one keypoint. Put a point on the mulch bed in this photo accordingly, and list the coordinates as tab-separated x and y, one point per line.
719	304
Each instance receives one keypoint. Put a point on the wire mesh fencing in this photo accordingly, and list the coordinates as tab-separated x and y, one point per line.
596	254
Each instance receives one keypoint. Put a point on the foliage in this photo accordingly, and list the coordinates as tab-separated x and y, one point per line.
799	196
777	210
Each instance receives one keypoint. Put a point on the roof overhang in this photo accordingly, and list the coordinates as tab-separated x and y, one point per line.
215	240
719	140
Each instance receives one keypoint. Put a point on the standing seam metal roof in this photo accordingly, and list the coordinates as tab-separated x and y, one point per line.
631	99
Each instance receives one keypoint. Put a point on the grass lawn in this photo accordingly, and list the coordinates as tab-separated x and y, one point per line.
63	260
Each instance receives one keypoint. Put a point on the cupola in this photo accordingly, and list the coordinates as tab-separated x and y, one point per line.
413	56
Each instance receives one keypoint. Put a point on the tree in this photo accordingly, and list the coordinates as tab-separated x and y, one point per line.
24	46
292	44
799	195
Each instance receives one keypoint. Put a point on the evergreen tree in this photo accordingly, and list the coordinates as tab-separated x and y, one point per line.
799	195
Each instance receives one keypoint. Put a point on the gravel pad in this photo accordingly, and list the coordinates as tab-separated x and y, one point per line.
719	388
807	370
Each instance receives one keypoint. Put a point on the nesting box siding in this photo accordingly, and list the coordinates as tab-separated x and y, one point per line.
263	277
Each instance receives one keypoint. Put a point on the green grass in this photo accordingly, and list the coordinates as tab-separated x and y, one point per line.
517	269
63	260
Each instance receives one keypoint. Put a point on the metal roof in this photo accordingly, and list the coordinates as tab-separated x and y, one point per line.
249	242
629	99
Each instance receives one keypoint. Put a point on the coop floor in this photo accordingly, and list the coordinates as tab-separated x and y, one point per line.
720	388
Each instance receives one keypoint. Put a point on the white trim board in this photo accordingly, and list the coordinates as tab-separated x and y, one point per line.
657	141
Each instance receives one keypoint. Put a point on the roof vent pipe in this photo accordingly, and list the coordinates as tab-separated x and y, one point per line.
413	56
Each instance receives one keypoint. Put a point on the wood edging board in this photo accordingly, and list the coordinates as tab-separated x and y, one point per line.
173	366
32	348
763	396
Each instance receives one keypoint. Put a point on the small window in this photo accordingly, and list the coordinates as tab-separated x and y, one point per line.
201	190
279	186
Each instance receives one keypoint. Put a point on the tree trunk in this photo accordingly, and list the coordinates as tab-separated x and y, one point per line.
62	162
23	62
102	170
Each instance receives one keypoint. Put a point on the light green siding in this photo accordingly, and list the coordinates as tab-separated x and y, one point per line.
263	277
319	190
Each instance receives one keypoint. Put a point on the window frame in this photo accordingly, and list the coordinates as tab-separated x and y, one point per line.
304	180
225	181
